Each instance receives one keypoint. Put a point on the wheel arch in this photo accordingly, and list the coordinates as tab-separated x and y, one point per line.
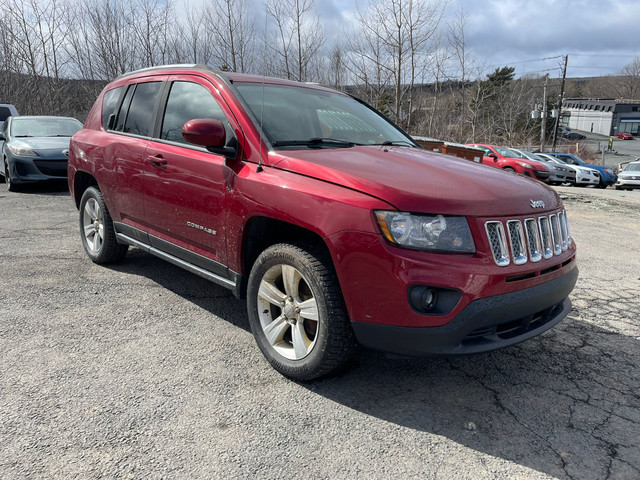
82	181
260	232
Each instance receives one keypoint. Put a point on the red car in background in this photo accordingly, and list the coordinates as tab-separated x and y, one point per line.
625	136
506	159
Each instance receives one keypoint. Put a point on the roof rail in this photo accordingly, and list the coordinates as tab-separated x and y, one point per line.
165	67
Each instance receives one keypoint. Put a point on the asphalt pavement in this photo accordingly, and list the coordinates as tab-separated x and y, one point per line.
142	370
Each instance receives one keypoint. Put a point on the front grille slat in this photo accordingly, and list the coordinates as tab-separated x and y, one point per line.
555	233
498	242
535	239
516	239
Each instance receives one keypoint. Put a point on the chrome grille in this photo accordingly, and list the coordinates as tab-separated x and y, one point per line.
545	235
563	230
555	233
533	239
516	236
498	242
538	238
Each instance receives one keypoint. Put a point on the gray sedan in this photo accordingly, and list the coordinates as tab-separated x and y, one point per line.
35	148
559	173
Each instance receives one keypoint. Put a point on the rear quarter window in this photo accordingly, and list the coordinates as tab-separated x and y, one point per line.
4	113
109	105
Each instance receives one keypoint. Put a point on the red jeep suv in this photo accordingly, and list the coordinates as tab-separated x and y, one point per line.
336	227
506	159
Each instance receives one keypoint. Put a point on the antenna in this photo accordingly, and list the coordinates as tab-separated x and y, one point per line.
266	17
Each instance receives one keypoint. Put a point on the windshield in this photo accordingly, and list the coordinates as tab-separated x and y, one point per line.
293	116
44	127
505	152
632	167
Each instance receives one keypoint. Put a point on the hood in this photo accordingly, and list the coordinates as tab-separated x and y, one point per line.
44	146
416	180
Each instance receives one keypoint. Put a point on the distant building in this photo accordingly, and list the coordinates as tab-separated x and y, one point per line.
605	116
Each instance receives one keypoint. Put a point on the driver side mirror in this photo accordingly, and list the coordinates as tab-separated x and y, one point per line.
2	139
208	133
494	156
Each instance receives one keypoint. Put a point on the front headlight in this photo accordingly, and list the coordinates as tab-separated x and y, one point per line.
441	233
22	151
526	165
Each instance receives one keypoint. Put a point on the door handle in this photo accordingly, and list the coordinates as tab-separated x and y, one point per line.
157	161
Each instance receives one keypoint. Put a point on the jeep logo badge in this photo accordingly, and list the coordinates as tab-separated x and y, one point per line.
537	204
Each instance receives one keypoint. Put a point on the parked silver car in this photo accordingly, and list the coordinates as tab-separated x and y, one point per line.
584	175
629	177
560	173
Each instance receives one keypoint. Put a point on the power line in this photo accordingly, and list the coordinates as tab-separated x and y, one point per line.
525	61
605	55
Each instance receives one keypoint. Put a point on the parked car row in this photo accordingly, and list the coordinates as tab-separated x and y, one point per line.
551	168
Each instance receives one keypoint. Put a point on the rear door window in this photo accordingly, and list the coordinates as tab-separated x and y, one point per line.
140	113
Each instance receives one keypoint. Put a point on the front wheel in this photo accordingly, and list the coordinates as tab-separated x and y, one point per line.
11	185
510	169
297	313
96	229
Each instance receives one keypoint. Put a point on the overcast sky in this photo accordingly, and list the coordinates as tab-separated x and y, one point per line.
600	36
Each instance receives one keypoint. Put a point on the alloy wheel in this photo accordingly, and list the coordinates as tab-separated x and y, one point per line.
288	312
93	225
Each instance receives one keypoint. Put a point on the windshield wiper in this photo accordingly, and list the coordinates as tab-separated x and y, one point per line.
315	142
398	143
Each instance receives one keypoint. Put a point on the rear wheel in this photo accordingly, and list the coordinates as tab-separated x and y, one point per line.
510	169
96	229
297	313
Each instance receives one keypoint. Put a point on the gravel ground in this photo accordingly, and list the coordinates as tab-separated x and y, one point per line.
143	370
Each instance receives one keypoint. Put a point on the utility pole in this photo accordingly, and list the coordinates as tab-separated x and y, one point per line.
555	130
543	125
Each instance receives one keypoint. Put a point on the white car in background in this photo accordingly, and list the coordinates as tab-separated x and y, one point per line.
629	177
584	175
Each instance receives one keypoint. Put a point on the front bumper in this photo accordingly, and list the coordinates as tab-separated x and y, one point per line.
587	179
27	169
629	182
485	324
562	177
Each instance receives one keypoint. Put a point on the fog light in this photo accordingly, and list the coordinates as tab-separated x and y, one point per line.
429	300
423	299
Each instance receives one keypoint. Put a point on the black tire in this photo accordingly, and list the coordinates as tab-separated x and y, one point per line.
103	246
510	169
11	185
331	336
601	184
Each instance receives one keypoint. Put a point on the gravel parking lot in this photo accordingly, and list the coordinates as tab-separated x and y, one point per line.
143	370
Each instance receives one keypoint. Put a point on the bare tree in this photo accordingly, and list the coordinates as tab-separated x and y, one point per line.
299	37
404	29
630	80
232	34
